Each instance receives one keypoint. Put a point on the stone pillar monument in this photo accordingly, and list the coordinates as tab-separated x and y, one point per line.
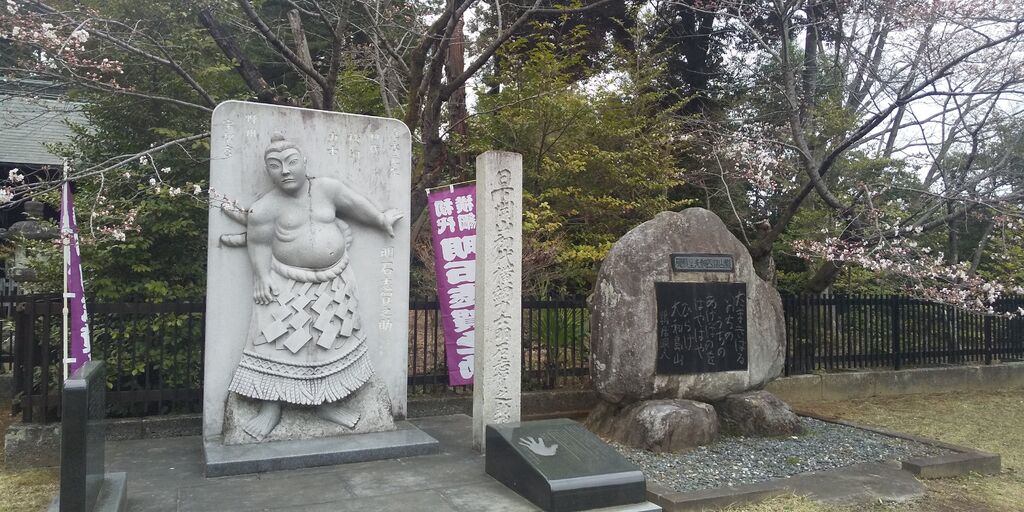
499	248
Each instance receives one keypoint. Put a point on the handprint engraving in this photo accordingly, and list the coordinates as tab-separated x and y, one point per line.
537	446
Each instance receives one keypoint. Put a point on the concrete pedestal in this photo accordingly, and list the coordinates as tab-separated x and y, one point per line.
406	441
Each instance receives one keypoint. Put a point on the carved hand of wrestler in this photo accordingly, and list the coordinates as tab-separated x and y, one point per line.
391	216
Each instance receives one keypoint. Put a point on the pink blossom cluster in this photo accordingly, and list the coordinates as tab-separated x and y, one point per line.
954	9
57	48
14	179
918	271
748	163
222	201
106	221
758	163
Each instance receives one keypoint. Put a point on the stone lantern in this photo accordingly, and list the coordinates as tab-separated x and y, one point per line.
32	228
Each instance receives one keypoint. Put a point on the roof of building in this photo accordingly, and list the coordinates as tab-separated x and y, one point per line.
32	116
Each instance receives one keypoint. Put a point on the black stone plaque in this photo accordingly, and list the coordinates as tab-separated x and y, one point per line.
702	263
702	327
82	433
561	466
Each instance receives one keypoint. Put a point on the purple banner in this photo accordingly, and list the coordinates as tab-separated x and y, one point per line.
453	226
79	346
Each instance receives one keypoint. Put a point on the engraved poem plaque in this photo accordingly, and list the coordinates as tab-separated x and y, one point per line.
702	327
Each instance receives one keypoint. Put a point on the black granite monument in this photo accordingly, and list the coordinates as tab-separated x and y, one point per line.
84	486
560	466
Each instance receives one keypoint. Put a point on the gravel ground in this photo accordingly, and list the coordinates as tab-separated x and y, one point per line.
744	460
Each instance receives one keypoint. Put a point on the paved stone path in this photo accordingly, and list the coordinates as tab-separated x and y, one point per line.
167	475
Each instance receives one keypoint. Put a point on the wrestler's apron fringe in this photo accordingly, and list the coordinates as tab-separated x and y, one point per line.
262	379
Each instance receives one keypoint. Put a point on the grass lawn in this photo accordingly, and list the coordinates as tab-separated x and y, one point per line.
988	421
25	490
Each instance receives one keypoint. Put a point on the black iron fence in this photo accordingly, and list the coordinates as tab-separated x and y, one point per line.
154	356
894	332
154	352
6	335
555	354
9	303
8	300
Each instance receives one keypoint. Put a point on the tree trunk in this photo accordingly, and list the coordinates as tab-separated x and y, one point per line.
764	262
824	277
980	250
434	160
245	67
764	267
457	113
953	239
316	94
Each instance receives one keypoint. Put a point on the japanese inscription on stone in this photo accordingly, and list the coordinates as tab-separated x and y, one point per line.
702	263
702	327
387	289
498	311
504	275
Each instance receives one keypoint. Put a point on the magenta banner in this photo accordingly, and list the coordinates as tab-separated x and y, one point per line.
79	346
453	225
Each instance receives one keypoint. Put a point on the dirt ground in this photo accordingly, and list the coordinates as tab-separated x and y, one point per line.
987	421
26	490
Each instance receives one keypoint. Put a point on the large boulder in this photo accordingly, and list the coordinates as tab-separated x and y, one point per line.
624	312
656	425
757	413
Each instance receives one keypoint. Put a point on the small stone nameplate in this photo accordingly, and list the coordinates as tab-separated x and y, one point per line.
702	263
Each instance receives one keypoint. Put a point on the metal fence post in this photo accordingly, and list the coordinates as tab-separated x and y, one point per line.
988	339
897	356
18	348
27	343
787	309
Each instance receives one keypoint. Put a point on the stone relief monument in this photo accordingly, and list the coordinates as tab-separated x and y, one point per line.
680	321
306	344
307	287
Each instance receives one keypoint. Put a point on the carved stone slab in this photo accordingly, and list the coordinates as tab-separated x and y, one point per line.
560	466
368	158
499	269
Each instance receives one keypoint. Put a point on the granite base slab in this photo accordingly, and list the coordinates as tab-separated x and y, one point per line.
113	495
406	441
633	507
561	467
